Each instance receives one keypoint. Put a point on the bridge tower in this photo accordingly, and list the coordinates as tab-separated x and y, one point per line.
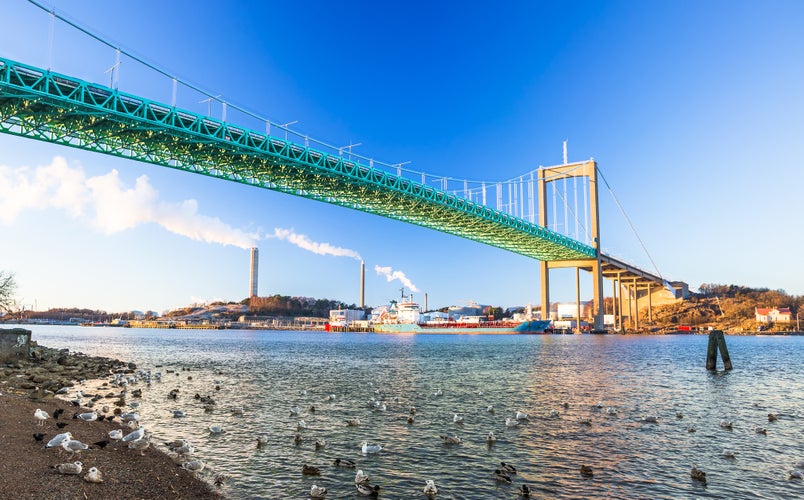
587	169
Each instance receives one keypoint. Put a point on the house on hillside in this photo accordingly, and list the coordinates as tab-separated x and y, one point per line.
773	315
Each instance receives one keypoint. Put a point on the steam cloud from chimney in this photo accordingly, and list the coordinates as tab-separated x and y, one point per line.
392	275
110	205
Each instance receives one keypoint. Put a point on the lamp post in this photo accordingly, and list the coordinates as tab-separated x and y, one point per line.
286	125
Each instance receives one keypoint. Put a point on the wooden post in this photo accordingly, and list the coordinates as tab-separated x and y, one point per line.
717	342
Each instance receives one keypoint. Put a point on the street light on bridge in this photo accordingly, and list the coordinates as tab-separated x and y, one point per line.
286	125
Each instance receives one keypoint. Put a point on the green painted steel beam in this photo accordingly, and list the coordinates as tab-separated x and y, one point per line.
59	109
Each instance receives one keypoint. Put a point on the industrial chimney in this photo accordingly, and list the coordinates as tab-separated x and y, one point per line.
362	284
254	264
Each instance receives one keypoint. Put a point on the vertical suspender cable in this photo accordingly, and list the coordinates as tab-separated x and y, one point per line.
575	192
586	208
566	209
50	37
555	209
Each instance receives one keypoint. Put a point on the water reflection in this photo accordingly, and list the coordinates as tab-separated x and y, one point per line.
266	373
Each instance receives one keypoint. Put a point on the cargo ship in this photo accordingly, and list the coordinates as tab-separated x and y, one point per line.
406	318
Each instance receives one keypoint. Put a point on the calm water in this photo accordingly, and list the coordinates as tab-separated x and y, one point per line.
268	372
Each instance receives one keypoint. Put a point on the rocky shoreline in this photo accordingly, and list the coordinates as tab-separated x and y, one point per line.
29	469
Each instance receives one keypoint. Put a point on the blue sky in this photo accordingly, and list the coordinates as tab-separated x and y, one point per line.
691	109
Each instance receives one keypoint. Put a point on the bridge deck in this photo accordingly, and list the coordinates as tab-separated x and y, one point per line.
55	108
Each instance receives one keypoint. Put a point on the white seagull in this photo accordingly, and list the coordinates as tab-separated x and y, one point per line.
215	429
511	422
134	436
522	416
89	416
41	416
194	466
74	446
58	439
430	488
93	476
70	468
116	434
317	491
458	419
370	448
361	478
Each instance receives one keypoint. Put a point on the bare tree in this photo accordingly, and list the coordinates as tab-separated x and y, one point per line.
7	286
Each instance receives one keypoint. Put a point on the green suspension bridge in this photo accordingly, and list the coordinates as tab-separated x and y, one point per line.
47	106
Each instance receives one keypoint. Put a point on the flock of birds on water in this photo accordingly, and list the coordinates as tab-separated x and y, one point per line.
181	451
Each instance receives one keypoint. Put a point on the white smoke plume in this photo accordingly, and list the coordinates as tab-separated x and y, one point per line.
110	204
304	242
392	275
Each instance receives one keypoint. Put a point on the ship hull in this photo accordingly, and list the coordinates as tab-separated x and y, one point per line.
525	327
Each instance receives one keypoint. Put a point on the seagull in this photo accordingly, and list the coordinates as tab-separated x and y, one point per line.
650	419
507	468
187	449
130	417
491	438
331	397
457	419
796	474
90	416
586	471
412	410
430	488
41	416
302	425
134	436
194	466
502	476
553	413
309	470
611	411
511	422
370	448
93	476
70	468
74	446
343	462
353	422
317	491
320	443
141	444
522	416
116	434
490	409
294	411
58	439
361	478
215	429
438	392
728	454
726	424
451	439
698	475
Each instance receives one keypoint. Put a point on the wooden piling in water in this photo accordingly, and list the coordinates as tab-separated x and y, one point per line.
717	342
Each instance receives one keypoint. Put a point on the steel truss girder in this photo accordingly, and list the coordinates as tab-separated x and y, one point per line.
50	107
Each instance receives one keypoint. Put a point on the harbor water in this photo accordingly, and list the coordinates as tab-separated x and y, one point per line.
626	406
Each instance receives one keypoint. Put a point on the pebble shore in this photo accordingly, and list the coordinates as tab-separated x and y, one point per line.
28	468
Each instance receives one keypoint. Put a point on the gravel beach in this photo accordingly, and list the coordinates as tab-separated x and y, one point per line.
28	469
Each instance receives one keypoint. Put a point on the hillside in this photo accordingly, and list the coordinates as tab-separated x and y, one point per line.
726	307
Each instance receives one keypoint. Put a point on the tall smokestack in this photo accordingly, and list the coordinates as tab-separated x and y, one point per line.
255	260
362	284
425	303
